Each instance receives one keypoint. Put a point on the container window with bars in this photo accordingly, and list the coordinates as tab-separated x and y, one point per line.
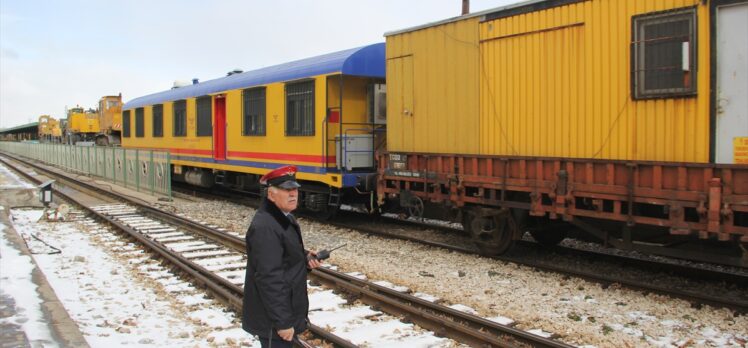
180	118
139	122
204	115
126	124
254	111
300	108
663	54
158	120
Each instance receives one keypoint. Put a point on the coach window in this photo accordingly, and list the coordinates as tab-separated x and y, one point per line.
204	122
126	123
300	108
180	118
254	111
664	54
139	123
158	120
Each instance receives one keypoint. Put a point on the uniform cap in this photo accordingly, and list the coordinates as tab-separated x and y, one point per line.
283	177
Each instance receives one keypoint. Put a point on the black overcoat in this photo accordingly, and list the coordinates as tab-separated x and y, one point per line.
275	291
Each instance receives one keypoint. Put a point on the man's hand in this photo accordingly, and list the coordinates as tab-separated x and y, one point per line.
312	262
286	334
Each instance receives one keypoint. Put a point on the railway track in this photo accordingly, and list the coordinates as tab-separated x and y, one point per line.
532	254
216	260
175	239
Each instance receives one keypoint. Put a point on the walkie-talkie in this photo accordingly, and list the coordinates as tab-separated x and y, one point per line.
324	253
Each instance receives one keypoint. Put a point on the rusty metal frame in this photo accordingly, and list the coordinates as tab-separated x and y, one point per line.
696	199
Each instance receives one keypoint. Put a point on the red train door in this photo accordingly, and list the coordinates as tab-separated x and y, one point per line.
219	127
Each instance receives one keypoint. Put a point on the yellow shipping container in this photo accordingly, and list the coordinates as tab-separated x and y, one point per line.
600	79
432	88
558	84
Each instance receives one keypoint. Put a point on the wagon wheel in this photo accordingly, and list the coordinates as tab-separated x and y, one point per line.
415	207
492	234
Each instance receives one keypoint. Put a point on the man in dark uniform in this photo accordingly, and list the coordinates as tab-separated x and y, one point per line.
275	292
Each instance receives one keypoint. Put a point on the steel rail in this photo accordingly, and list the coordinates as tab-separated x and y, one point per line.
695	297
445	321
230	294
673	269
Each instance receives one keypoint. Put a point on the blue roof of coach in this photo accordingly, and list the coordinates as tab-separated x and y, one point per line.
367	61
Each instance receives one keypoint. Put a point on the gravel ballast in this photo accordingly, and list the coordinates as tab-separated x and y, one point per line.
581	312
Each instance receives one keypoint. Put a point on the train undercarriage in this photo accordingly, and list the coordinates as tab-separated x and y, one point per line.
697	212
315	198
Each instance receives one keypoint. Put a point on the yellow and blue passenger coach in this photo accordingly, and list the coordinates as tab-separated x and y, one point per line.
322	114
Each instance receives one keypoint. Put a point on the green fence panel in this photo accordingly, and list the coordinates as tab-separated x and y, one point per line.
131	177
161	173
66	156
60	156
73	157
70	153
69	157
120	167
146	171
76	158
109	164
78	161
85	159
98	161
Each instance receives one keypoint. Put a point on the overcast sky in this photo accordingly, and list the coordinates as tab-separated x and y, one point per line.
55	54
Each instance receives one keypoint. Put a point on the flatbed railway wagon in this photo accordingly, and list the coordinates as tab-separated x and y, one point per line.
322	114
625	120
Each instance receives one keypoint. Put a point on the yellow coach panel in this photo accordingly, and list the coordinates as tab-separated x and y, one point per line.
190	143
274	145
432	89
557	82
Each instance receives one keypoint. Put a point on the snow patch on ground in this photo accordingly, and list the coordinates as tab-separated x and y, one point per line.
17	283
117	303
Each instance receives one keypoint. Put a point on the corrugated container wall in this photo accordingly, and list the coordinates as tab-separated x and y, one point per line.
557	83
432	89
